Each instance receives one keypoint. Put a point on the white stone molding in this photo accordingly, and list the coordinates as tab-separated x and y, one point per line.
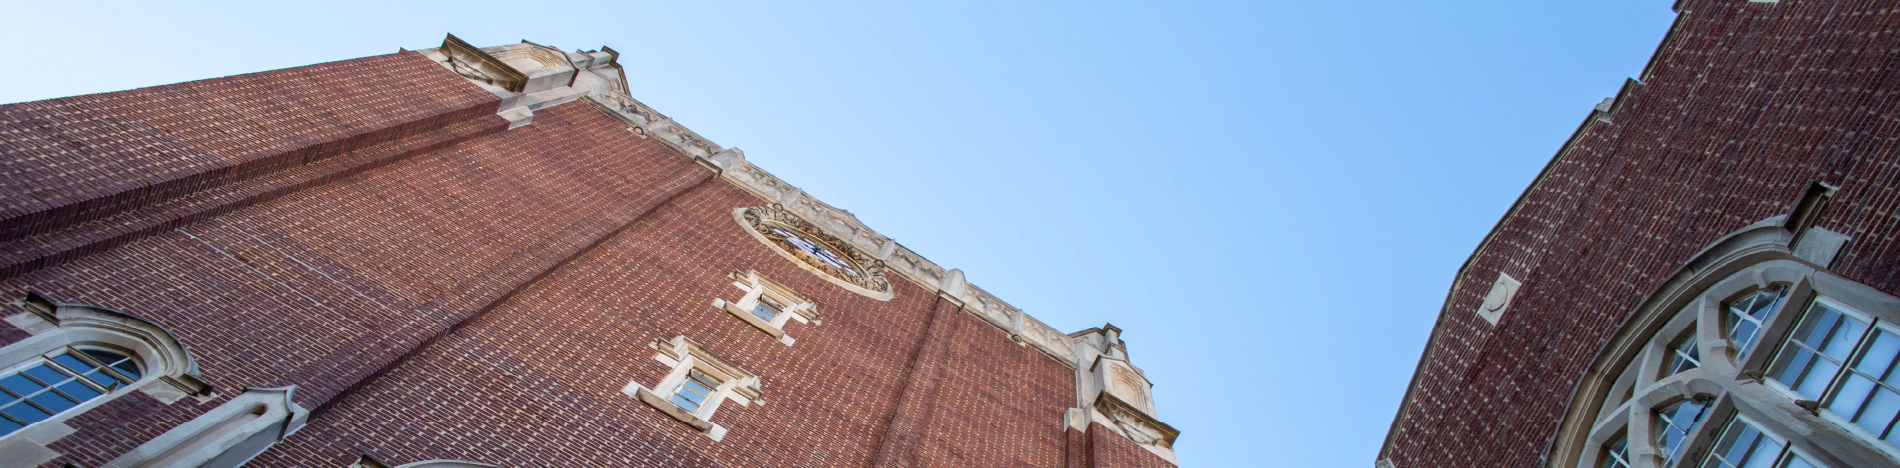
169	373
757	287
225	437
684	355
529	77
864	273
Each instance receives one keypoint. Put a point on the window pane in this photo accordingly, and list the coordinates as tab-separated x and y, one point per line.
1878	360
20	386
72	363
25	413
117	361
79	391
1743	446
1746	316
46	375
1743	335
1673	425
7	427
1852	394
766	310
1879	412
689	405
1837	337
1618	455
53	402
1795	461
1685	355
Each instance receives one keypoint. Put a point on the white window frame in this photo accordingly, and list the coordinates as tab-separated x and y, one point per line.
683	355
1874	325
1780	457
757	287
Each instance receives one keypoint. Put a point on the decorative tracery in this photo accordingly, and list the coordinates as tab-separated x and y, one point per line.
816	250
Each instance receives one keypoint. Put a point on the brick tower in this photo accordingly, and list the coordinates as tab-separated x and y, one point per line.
471	257
1705	273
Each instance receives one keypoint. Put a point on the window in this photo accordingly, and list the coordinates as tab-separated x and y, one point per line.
694	391
818	250
696	386
845	261
767	310
1748	316
54	384
1684	355
1814	365
1618	455
1674	425
78	358
1744	446
768	305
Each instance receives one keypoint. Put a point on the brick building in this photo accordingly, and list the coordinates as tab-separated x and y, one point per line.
1704	275
464	257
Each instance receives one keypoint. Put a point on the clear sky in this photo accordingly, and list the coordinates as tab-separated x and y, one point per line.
1270	197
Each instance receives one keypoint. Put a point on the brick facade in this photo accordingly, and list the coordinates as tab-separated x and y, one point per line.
1742	107
438	286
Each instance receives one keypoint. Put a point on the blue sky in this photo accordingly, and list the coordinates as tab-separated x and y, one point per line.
1270	197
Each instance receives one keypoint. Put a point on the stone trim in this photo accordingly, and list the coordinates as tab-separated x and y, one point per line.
684	355
757	288
472	63
225	437
1128	421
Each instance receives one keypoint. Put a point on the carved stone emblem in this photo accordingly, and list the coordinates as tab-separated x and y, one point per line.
1499	299
814	248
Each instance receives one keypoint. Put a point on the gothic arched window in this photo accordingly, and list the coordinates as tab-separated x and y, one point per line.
1751	356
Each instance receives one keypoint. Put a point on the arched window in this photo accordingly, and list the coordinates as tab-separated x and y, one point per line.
1749	356
78	358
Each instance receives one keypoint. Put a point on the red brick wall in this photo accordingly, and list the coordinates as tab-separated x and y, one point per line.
80	158
1744	106
322	287
548	367
463	292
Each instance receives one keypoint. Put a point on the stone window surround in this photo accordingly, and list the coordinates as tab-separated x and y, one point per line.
227	436
684	355
756	286
170	373
1754	258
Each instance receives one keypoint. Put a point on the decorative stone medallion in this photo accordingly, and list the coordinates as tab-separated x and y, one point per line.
1499	299
816	251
